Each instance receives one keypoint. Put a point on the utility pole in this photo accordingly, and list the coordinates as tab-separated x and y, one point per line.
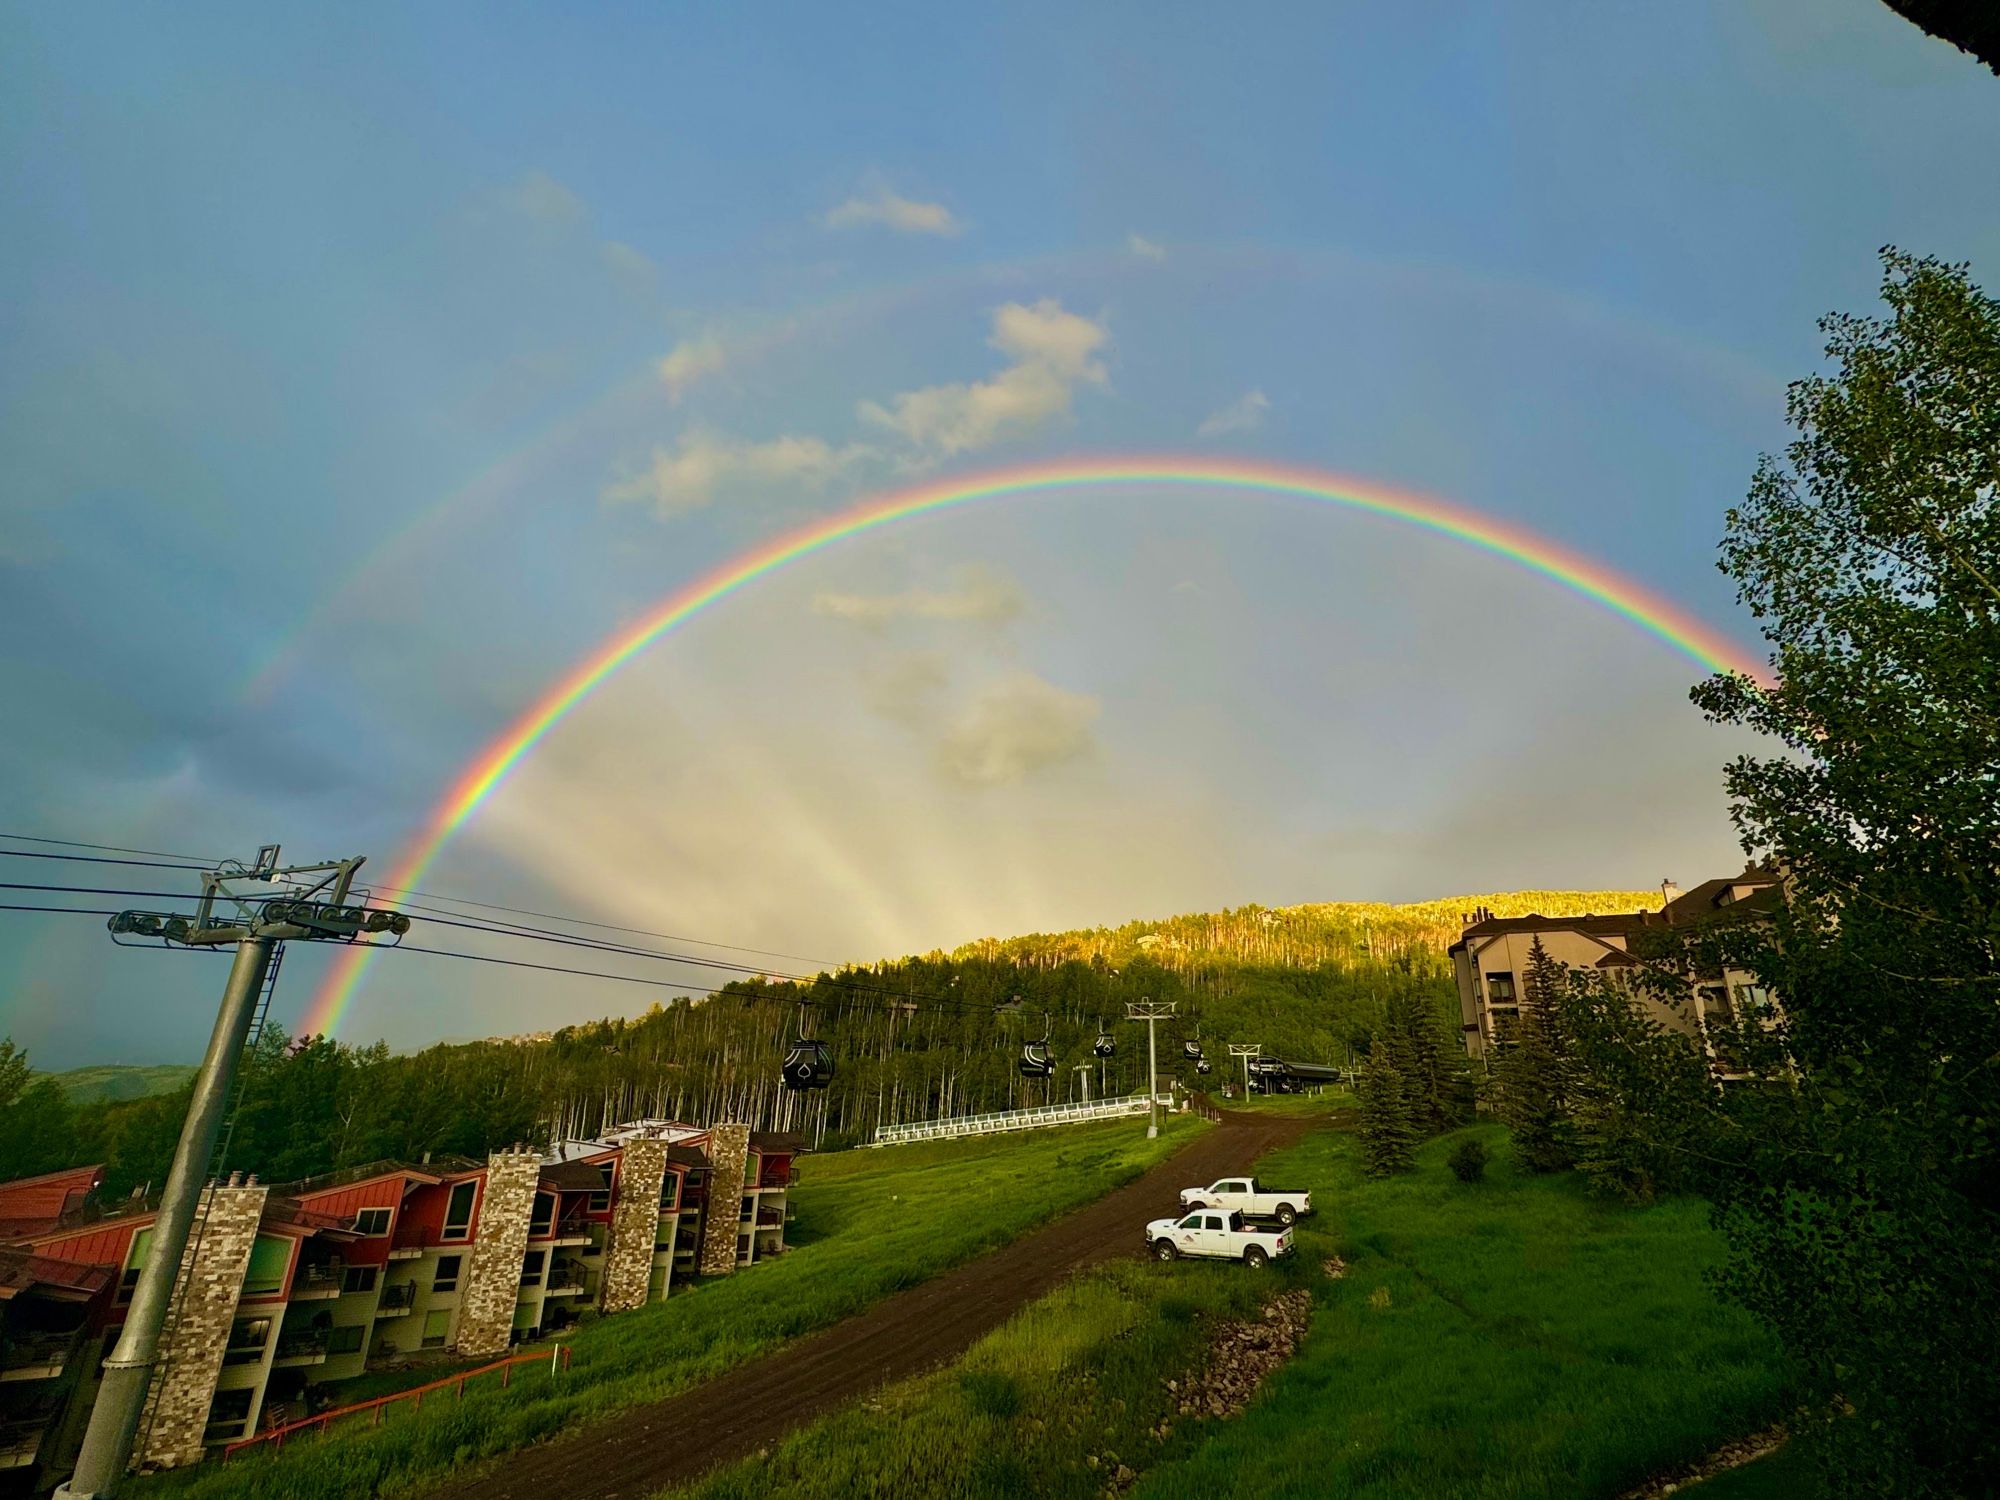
1151	1012
259	922
1083	1073
1246	1052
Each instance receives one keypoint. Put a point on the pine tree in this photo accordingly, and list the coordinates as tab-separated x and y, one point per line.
1389	1128
1530	1078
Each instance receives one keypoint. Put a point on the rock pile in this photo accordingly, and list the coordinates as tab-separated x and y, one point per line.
1728	1456
1240	1357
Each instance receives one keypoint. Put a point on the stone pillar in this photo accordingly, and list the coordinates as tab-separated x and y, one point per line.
198	1323
728	1156
493	1272
635	1227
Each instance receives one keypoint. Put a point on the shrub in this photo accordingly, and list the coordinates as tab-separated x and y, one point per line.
1468	1161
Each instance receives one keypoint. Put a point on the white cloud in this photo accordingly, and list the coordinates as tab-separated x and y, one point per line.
540	196
632	264
690	361
1244	414
1016	727
1146	249
703	465
878	203
983	596
1053	351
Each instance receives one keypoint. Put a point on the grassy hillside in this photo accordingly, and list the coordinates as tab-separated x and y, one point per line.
114	1081
869	1223
1510	1339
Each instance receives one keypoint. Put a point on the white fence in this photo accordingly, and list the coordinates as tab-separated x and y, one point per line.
1014	1119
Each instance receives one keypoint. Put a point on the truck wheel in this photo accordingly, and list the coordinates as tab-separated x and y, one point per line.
1164	1250
1255	1258
1286	1213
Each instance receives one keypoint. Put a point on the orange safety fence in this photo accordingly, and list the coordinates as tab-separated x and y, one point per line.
556	1359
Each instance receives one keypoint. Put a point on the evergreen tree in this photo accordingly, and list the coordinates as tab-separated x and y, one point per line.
1531	1090
1389	1124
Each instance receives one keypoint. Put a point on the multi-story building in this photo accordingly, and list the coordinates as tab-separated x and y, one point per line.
286	1291
1490	959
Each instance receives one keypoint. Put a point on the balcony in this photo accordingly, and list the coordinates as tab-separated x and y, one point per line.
40	1357
572	1232
318	1283
770	1218
784	1177
397	1300
21	1441
306	1347
407	1252
566	1279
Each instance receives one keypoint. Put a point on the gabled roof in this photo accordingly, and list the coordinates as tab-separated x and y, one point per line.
777	1142
572	1177
347	1177
688	1156
22	1271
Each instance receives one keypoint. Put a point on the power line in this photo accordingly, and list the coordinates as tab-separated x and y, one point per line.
521	911
29	838
97	859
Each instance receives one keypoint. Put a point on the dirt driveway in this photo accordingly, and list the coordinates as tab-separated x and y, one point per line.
645	1449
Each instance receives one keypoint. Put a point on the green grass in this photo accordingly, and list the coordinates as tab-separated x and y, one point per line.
113	1081
869	1223
1514	1338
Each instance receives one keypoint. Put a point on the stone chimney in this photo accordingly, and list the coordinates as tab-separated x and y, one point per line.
728	1157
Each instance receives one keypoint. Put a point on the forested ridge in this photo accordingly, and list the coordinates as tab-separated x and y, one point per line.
914	1038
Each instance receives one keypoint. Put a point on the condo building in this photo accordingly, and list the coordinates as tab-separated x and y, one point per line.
1490	961
285	1291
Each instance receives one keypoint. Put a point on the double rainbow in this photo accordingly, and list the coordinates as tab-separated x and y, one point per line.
485	773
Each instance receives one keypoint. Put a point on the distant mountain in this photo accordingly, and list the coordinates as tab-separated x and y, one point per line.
114	1081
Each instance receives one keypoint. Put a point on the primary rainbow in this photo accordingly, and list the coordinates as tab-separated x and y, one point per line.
483	776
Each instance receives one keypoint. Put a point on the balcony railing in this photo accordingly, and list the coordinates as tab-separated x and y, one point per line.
319	1280
566	1279
770	1218
307	1347
400	1297
20	1441
35	1358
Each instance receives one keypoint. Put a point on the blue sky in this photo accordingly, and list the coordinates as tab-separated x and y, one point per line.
609	296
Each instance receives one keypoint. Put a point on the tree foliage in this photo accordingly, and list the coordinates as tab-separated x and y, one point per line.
1863	1199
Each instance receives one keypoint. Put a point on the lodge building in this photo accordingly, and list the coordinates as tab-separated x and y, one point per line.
1490	960
311	1283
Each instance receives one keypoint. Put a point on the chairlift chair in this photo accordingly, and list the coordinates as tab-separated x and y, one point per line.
1036	1059
808	1062
1106	1044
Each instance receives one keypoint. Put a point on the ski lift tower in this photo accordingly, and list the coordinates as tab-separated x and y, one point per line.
1151	1012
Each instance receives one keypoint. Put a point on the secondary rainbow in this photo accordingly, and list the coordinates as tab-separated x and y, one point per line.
491	767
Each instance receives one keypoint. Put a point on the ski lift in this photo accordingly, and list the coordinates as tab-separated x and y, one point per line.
1036	1059
808	1062
1191	1048
1203	1066
1106	1044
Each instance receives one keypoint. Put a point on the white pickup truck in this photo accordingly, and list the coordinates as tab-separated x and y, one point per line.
1250	1198
1217	1234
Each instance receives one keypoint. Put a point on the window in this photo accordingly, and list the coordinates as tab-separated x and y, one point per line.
270	1260
670	1192
1755	999
446	1279
126	1283
601	1202
458	1210
346	1340
543	1219
1192	1221
357	1279
531	1268
229	1412
373	1221
437	1326
1500	988
747	1212
247	1337
1715	1003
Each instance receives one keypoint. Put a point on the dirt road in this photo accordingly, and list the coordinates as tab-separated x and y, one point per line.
643	1450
